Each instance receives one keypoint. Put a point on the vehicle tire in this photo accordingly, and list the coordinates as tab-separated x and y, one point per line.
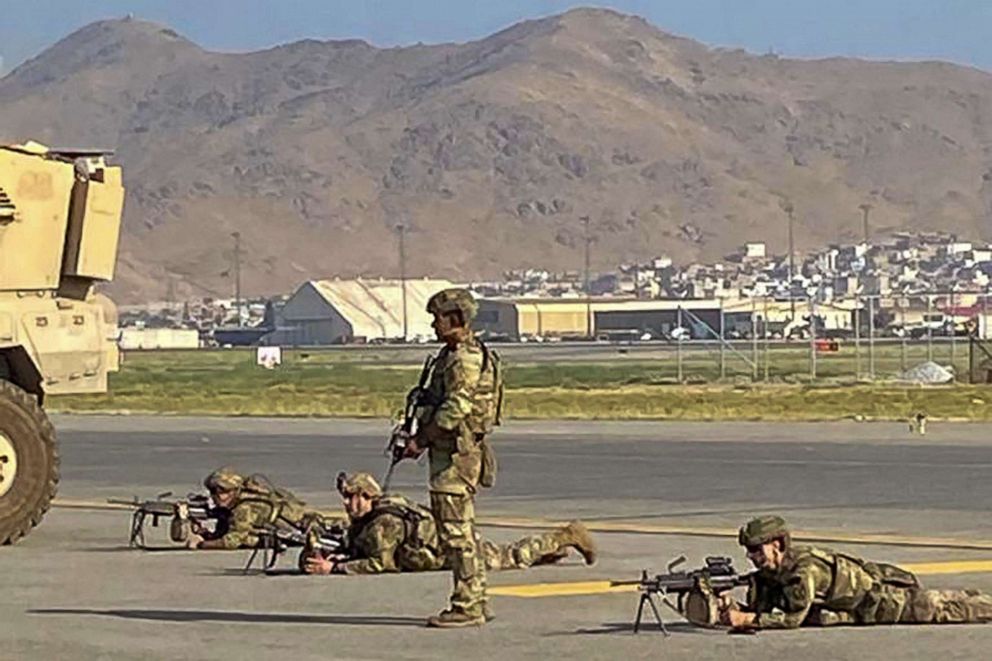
29	463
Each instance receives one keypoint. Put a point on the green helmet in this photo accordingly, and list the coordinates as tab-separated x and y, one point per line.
454	300
223	479
762	530
358	483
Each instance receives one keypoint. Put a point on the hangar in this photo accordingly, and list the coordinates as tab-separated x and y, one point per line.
341	311
564	317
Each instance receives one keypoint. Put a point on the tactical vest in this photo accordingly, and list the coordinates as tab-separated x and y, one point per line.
419	529
487	397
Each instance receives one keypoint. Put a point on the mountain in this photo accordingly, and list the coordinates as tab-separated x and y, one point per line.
491	151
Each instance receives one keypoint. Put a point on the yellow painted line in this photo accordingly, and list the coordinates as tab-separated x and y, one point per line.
882	539
559	589
580	588
949	567
88	504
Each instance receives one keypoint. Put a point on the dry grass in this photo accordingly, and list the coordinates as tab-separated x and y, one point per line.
227	383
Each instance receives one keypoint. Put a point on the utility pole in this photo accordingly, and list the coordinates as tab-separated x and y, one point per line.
237	275
588	242
401	231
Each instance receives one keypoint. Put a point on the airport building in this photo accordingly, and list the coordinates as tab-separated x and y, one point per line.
345	311
617	319
132	338
613	318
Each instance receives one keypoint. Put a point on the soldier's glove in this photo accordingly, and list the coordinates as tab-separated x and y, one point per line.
179	530
701	605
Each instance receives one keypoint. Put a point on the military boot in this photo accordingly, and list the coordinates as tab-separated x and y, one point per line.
455	619
488	613
577	536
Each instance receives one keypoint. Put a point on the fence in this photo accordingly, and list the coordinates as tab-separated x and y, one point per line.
844	338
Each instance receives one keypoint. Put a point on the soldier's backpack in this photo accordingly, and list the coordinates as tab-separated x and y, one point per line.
487	411
489	398
285	505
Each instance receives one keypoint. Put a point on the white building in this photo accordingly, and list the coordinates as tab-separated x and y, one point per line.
133	338
754	250
338	311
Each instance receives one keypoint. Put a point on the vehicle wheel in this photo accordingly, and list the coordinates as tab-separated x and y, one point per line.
29	463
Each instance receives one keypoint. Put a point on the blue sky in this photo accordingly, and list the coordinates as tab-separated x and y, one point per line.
954	30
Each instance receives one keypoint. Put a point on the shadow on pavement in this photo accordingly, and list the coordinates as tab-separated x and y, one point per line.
233	572
132	549
234	616
646	629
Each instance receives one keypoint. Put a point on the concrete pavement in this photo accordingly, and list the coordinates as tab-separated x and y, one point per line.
72	589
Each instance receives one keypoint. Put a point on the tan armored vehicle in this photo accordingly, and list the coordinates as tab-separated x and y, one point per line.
60	217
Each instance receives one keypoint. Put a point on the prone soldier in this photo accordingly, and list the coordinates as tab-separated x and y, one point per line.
810	586
244	506
390	533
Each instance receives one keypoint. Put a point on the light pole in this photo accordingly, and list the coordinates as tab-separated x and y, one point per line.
789	209
865	208
401	231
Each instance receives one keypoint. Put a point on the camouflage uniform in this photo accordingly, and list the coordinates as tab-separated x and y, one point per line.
400	535
544	549
820	587
397	535
453	426
258	505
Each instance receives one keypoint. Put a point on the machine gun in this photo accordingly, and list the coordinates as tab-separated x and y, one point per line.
718	573
407	429
316	538
198	507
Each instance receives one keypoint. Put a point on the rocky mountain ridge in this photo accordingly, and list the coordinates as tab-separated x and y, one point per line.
491	151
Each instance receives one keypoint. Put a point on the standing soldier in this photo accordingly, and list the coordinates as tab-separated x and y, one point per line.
458	408
809	586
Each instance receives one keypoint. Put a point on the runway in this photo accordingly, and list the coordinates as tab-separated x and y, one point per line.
651	490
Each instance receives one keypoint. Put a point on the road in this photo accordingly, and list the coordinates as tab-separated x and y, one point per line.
653	490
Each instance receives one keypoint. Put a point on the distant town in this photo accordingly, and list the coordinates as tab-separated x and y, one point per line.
904	284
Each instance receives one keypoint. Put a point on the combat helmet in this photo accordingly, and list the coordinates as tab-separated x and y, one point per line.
364	483
762	530
224	479
454	299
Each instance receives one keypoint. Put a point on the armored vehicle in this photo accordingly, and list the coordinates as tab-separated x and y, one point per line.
60	215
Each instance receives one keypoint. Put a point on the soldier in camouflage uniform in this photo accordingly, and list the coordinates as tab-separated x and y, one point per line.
802	585
460	407
389	533
245	507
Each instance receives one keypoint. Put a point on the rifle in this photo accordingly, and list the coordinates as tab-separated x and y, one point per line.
718	572
199	506
407	429
316	537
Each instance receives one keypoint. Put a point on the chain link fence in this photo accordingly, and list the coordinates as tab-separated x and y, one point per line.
933	337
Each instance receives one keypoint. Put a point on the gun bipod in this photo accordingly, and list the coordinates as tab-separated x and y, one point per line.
136	539
270	548
647	597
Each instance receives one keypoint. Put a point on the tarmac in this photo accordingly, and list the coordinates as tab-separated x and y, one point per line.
652	491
